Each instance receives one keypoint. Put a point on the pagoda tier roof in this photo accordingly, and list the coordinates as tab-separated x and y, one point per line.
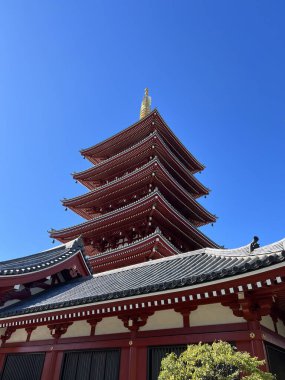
152	145
137	132
153	246
154	205
129	184
45	263
198	275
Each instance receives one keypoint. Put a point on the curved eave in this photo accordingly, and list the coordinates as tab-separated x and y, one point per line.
38	266
77	204
133	151
139	208
153	145
139	130
153	246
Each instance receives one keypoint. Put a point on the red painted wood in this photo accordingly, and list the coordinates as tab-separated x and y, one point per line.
57	365
141	363
49	365
76	260
272	337
141	341
132	370
134	357
124	363
123	338
256	342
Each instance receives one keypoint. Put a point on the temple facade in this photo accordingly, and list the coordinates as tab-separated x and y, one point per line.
138	279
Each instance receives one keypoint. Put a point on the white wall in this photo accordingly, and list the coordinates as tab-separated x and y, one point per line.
41	332
110	325
20	335
79	328
163	319
213	314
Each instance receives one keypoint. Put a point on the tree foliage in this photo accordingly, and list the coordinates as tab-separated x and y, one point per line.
219	361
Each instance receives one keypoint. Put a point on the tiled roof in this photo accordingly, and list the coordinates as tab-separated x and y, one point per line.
172	272
41	260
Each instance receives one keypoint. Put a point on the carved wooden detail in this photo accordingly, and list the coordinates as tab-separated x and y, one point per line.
58	329
7	335
251	308
93	323
134	322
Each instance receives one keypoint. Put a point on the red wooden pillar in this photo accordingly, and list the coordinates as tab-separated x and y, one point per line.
52	365
133	357
57	365
141	363
124	363
133	323
256	343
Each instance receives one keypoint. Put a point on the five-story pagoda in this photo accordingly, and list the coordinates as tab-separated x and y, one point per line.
141	203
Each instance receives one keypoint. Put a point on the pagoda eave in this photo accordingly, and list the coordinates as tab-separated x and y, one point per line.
133	183
154	246
137	132
154	204
152	145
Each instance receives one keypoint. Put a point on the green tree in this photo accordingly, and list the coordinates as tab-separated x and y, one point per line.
217	361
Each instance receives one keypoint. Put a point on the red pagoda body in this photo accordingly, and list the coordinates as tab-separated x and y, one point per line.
142	199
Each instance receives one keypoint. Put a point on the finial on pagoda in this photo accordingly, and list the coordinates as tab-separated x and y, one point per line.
145	106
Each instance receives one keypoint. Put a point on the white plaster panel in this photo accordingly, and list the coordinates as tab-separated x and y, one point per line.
41	332
163	319
281	328
110	325
213	314
80	328
20	335
267	322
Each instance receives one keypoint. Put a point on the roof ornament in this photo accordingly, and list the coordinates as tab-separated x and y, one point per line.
254	244
145	106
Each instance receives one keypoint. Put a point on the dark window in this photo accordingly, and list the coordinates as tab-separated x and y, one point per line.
91	365
156	354
276	360
23	366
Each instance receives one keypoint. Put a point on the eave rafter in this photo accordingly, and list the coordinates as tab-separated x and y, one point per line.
137	132
150	175
134	157
154	246
154	201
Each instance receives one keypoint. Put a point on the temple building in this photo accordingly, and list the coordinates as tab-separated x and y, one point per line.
137	278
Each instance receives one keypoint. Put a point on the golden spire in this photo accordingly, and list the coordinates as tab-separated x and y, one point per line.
145	107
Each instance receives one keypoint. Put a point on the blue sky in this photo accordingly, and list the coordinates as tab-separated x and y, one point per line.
73	73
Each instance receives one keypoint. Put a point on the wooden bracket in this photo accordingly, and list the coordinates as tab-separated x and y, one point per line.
9	331
185	311
57	330
134	322
93	323
251	308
